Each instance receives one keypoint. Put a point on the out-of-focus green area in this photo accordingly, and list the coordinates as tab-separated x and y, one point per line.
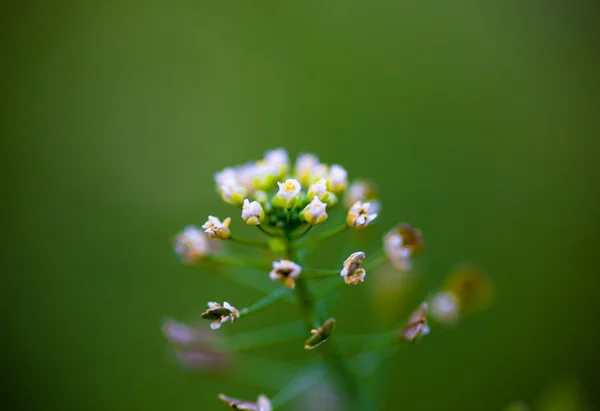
478	120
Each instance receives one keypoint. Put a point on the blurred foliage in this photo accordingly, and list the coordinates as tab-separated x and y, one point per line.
477	120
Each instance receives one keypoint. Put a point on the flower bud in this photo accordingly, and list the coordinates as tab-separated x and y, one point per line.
337	179
314	213
360	191
445	308
288	194
401	243
416	326
232	191
217	229
252	212
192	244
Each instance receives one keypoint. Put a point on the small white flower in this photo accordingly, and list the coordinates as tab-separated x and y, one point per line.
226	174
244	175
401	243
360	215
445	308
351	273
232	191
261	197
220	315
192	244
265	174
278	158
288	194
416	326
337	179
305	163
252	212
318	189
314	212
286	271
217	229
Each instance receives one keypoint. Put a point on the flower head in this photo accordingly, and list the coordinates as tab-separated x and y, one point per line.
232	191
286	271
219	314
262	404
401	243
416	326
288	194
252	212
360	215
192	244
351	273
217	229
445	308
337	179
314	212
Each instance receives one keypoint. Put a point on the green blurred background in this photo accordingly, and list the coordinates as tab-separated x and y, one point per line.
478	120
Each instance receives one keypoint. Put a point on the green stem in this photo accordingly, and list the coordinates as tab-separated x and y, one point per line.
322	237
303	233
250	243
298	385
238	261
265	336
375	262
276	295
267	232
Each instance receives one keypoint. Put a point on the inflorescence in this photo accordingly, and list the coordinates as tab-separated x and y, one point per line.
285	203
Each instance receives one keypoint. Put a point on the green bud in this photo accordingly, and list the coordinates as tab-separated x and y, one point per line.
320	335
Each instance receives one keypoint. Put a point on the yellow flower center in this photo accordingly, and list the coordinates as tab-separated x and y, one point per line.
289	186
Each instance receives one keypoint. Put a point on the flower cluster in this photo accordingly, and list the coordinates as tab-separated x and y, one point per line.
285	202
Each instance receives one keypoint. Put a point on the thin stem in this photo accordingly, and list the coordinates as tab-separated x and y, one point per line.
303	233
298	385
238	261
276	295
377	261
265	336
250	243
267	232
322	237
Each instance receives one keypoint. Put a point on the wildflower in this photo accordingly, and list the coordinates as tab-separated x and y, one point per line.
261	197
286	271
219	314
264	174
217	229
319	190
232	191
308	169
445	308
320	335
191	244
360	191
262	404
360	216
401	243
225	175
252	212
416	326
288	194
337	179
314	212
351	273
278	158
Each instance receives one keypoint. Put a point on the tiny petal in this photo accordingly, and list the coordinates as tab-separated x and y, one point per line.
360	216
252	212
401	243
361	190
233	192
416	326
220	315
217	229
278	158
286	271
315	212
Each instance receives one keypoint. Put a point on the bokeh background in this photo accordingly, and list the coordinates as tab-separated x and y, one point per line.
478	120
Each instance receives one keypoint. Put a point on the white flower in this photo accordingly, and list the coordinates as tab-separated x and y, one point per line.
314	212
220	315
337	178
252	212
351	273
401	243
261	197
192	244
286	271
217	229
226	174
278	158
232	191
360	191
445	308
360	215
416	326
263	403
308	169
318	189
264	174
288	194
